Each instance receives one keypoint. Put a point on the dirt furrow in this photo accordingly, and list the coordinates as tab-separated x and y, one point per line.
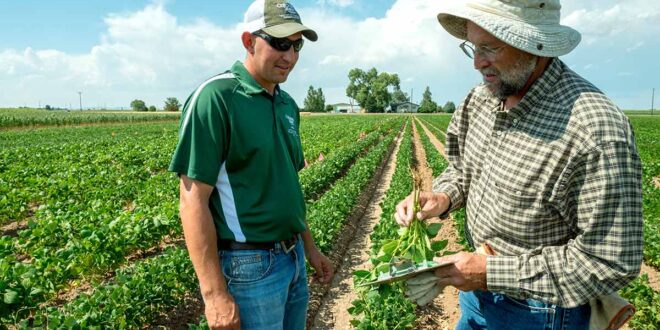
444	312
434	140
332	312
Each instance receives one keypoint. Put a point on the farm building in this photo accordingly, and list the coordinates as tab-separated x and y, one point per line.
403	107
345	108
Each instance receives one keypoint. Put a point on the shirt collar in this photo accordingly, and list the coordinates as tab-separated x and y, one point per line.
541	88
250	85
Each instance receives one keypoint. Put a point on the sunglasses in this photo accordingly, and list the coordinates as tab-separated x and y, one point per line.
281	44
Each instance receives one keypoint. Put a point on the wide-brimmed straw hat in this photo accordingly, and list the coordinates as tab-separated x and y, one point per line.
529	25
277	18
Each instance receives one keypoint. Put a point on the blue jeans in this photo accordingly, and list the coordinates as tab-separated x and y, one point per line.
269	286
488	310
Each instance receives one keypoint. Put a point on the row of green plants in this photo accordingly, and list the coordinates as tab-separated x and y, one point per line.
434	159
136	296
437	124
385	306
319	177
11	118
645	299
95	209
438	163
323	134
329	213
647	137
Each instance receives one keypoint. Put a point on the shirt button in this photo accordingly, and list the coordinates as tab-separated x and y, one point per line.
518	192
515	121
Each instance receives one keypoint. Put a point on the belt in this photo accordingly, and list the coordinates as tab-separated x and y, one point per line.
286	245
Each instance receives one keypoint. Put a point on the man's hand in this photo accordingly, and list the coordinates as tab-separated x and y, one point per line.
431	204
423	288
222	312
468	272
321	265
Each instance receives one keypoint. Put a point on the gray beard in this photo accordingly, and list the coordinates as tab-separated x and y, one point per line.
512	81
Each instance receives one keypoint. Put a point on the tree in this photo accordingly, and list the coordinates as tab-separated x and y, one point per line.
315	101
399	96
138	105
449	107
427	105
370	89
152	108
329	108
172	104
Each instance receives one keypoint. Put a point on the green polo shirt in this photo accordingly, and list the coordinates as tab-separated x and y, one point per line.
245	143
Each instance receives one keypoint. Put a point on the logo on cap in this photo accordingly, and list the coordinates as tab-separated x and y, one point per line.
289	12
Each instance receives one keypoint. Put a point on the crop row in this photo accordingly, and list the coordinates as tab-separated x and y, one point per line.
648	143
328	214
437	124
321	135
434	159
385	306
35	117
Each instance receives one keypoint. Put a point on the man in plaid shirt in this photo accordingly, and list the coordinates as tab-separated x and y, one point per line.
547	169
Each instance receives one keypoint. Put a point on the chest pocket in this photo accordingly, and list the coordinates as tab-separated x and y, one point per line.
522	188
525	216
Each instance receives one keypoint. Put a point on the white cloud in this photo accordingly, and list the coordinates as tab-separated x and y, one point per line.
339	3
408	41
145	54
602	20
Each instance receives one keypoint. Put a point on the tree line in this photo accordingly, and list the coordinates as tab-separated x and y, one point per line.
171	104
374	92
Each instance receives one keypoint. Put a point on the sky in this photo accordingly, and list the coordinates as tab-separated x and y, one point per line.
113	52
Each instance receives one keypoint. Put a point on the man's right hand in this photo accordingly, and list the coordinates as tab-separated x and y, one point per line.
222	312
432	205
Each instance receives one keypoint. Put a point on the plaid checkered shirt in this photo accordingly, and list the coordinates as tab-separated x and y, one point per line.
553	185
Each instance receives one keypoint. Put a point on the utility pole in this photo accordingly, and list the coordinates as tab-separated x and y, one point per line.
80	98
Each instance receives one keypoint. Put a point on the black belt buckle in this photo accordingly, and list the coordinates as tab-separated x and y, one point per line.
289	248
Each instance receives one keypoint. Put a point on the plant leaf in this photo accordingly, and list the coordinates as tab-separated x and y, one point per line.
439	245
433	229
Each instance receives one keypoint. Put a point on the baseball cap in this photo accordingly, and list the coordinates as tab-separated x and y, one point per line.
277	18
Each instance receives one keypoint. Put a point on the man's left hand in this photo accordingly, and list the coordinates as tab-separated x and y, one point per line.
321	264
467	273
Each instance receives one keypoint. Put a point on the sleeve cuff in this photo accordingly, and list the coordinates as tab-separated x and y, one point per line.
502	274
455	197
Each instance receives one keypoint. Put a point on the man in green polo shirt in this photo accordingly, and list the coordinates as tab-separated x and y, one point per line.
242	207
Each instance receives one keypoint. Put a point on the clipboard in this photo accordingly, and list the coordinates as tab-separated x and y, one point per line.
404	271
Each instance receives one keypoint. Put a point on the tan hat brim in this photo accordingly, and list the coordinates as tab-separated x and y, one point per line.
287	29
540	40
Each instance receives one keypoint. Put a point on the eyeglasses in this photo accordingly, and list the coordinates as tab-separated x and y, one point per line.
471	50
281	44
